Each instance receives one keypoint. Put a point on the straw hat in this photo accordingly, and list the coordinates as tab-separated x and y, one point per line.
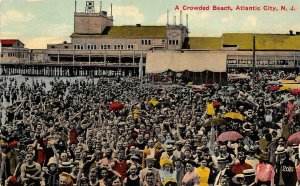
52	160
280	150
169	148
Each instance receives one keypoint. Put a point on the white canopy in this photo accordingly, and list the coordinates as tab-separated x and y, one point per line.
158	62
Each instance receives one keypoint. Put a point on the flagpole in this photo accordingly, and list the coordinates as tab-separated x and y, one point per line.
141	69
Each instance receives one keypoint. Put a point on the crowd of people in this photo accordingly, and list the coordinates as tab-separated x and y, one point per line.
113	132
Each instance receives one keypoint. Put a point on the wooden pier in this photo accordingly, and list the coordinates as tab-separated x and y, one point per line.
68	69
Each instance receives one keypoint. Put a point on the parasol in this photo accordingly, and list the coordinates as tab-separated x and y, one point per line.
294	139
229	136
115	106
234	115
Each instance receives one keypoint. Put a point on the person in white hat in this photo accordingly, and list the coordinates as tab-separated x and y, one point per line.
285	171
51	173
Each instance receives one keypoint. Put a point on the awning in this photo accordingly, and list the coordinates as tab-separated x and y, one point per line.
158	62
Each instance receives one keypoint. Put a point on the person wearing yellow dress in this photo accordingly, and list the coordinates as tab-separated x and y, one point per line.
204	173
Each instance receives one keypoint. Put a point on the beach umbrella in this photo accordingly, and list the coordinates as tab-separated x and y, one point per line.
294	139
216	103
273	88
295	91
115	106
209	85
216	122
153	102
197	89
234	115
229	136
283	88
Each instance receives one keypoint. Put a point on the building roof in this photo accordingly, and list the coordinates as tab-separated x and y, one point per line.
263	41
204	43
244	41
9	41
129	32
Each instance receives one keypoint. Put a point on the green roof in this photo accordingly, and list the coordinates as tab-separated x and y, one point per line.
204	43
129	32
263	41
244	41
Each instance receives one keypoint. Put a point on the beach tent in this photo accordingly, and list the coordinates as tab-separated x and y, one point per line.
206	67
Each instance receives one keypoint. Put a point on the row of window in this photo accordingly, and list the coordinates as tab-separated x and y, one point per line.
261	62
12	54
173	42
146	42
103	47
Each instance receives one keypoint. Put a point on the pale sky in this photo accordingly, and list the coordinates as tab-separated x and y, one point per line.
41	22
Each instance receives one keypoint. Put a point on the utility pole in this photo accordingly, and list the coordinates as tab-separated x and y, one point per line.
253	60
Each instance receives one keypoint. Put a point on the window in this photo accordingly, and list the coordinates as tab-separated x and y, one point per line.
173	42
122	47
81	47
108	46
170	42
75	47
149	42
115	47
52	46
1	55
130	47
66	47
89	47
177	42
142	42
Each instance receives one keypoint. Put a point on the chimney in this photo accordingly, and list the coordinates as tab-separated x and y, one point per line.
100	6
180	17
187	21
167	17
111	10
174	20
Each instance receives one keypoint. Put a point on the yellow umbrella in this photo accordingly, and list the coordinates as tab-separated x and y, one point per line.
153	102
234	115
283	88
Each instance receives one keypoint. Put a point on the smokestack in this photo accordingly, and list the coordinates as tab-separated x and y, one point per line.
180	17
100	6
187	21
111	10
174	20
167	17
